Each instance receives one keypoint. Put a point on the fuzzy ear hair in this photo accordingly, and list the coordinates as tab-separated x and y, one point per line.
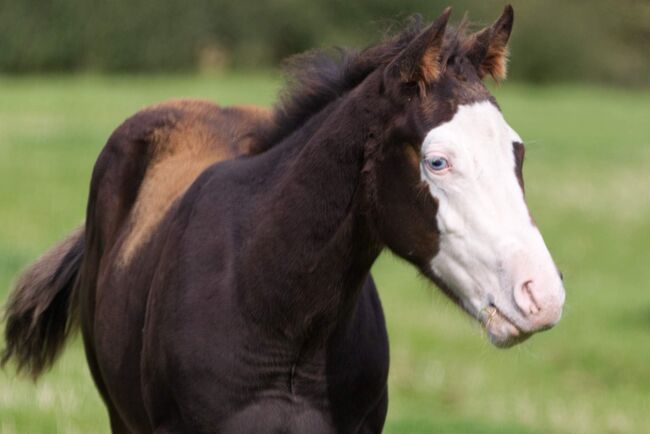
488	49
420	62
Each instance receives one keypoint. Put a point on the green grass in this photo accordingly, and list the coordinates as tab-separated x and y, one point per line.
588	185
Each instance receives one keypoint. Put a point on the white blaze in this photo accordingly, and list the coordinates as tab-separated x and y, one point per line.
488	244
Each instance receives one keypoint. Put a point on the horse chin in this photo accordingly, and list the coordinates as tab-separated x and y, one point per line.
502	332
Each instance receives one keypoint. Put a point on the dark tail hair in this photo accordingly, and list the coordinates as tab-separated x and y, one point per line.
43	308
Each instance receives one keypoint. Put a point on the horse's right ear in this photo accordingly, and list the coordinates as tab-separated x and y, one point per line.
420	61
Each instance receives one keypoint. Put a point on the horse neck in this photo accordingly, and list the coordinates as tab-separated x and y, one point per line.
312	244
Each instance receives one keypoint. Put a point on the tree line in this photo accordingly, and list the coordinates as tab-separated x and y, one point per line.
553	40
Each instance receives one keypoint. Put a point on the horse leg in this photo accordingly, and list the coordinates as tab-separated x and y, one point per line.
374	422
117	424
169	428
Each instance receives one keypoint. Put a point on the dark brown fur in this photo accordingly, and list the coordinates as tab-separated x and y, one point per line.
234	297
42	309
196	135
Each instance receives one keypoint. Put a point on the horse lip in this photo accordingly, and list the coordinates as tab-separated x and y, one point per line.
503	316
493	312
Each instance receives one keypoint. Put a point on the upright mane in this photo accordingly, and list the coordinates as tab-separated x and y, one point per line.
316	78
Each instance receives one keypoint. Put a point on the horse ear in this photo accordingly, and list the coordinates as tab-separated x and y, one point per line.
420	61
488	49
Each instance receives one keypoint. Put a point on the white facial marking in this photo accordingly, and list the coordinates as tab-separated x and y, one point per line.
490	252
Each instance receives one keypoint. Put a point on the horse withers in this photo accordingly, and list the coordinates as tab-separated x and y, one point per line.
233	295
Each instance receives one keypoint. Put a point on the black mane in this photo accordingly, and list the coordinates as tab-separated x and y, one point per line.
318	77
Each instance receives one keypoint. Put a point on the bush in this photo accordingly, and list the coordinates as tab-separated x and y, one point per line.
554	39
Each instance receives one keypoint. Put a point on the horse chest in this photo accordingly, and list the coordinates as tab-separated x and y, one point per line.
315	395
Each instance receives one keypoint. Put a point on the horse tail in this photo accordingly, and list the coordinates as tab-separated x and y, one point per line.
43	309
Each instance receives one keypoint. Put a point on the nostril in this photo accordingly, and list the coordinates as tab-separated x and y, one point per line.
528	289
561	275
525	299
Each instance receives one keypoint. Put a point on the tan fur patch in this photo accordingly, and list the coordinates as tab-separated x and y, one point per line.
250	118
203	134
496	62
491	44
430	66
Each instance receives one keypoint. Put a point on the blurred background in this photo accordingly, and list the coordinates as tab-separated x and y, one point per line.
578	93
595	40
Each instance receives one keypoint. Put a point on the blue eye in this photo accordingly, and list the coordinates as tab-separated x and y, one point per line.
437	164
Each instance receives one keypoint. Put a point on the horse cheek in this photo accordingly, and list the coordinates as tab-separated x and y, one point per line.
408	214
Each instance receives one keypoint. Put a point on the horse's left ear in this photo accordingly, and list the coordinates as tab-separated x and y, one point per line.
420	61
488	49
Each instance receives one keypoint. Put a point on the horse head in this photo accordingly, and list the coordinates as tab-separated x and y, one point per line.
449	191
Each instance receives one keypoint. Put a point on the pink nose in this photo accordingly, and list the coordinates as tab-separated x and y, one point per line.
540	304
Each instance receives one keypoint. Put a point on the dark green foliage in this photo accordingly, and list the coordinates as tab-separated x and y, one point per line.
554	39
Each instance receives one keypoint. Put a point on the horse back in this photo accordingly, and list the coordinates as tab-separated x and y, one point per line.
154	156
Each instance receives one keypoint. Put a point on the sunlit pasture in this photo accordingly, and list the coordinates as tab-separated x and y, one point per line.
587	179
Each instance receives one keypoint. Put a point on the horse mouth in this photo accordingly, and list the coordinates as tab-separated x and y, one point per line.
502	331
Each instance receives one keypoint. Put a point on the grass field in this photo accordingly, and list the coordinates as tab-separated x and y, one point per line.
588	185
